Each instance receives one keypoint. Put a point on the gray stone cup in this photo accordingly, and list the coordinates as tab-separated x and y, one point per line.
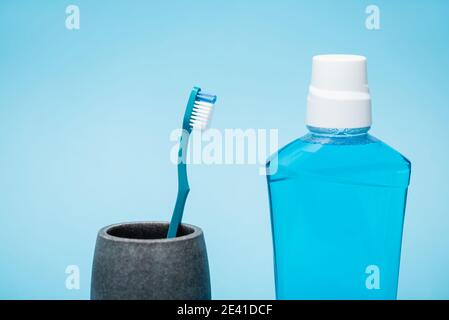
136	261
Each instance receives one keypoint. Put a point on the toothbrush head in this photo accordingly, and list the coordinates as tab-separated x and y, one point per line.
200	109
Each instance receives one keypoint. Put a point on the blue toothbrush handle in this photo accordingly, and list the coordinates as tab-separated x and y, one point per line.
183	187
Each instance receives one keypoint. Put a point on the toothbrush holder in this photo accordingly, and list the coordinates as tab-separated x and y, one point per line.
135	261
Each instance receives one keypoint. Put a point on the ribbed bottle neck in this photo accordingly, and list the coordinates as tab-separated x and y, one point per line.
338	136
338	132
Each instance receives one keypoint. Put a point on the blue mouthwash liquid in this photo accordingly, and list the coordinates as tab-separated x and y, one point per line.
337	202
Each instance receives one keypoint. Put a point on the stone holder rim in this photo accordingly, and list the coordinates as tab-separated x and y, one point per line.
105	232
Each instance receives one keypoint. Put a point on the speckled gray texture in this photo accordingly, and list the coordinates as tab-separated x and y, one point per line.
136	261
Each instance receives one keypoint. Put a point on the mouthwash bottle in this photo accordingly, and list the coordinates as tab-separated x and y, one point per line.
337	195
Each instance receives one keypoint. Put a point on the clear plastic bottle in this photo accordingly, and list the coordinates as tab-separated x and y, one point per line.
337	196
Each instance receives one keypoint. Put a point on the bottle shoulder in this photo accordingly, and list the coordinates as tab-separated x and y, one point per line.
369	147
339	157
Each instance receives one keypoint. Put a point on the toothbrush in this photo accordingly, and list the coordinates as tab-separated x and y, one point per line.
197	116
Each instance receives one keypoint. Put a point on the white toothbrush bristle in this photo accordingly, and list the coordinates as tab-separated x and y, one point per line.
201	115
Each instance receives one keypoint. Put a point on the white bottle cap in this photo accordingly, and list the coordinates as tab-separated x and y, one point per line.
338	94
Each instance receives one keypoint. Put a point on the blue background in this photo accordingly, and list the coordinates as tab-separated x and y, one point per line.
85	118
